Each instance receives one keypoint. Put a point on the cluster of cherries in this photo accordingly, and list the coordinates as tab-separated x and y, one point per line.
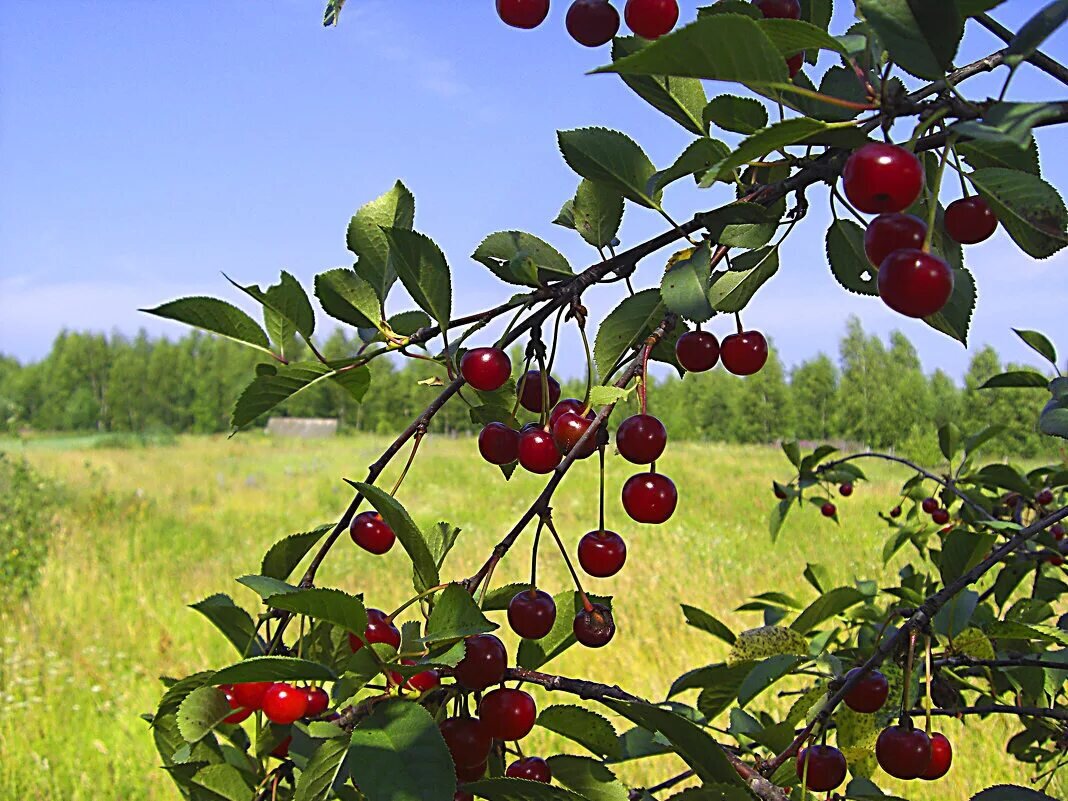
743	353
1043	498
886	179
902	751
280	703
939	514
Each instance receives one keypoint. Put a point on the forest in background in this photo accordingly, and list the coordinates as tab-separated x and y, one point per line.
875	394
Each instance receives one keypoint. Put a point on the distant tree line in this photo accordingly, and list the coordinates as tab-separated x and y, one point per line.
875	394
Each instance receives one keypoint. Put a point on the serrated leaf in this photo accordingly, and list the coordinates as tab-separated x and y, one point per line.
956	316
698	156
794	36
1039	344
425	567
1031	210
732	290
626	327
1035	31
684	287
1016	379
587	777
322	770
365	238
922	37
601	395
826	606
272	668
849	263
455	615
583	726
421	267
760	144
283	557
233	621
760	643
217	316
201	711
347	297
596	212
266	586
329	605
521	258
224	781
277	383
978	154
1009	124
611	158
742	115
681	99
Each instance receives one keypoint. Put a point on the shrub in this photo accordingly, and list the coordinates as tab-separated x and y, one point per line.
27	512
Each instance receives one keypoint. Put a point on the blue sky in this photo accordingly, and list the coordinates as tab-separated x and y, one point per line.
146	146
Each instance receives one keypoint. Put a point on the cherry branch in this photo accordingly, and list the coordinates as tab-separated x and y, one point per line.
1038	58
1053	713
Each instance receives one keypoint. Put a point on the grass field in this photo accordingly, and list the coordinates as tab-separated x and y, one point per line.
147	530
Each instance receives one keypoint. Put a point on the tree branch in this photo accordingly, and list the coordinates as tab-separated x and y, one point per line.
1041	60
999	709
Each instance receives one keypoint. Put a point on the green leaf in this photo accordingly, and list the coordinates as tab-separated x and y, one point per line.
682	99
346	296
275	384
760	144
224	781
422	269
266	586
685	285
626	327
794	36
329	605
954	617
611	158
456	615
743	7
589	729
700	619
778	516
1016	379
286	308
956	316
216	316
978	154
1009	124
272	668
601	395
698	156
826	606
732	290
1010	792
1039	344
973	8
764	675
233	621
1005	477
849	263
949	439
1054	417
505	789
1029	208
760	643
587	777
738	114
535	653
322	770
521	258
201	711
1035	31
426	569
283	557
439	540
365	237
961	551
922	37
388	743
596	212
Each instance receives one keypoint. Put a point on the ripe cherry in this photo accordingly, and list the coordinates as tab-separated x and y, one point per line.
940	516
641	439
250	694
569	429
592	22
1055	560
531	613
1044	498
970	220
744	353
903	752
281	751
475	773
846	490
283	703
523	13
595	627
795	63
241	712
467	741
537	451
828	509
697	351
915	283
486	369
372	533
378	630
882	178
779	9
890	232
929	505
498	444
421	682
895	512
651	19
941	758
825	769
483	664
318	701
602	553
649	497
530	391
507	714
533	769
869	694
568	405
1057	530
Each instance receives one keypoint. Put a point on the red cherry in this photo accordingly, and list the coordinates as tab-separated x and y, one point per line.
929	505
941	758
970	220
565	406
372	533
569	429
869	694
778	491
651	19
537	451
523	13
641	439
890	232
697	351
880	177
467	741
531	613
1056	561
592	22
826	768
498	444
1057	530
745	353
595	627
649	497
940	516
241	713
533	769
1044	498
250	694
529	388
795	63
466	774
421	682
507	714
902	752
281	751
846	490
779	9
602	553
486	369
828	509
318	701
378	630
283	703
895	512
483	664
915	283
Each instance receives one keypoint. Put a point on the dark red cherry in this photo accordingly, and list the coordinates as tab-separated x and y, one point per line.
530	391
498	444
929	505
697	351
531	613
882	178
902	752
250	694
533	769
779	9
569	429
284	703
281	751
465	774
241	712
940	516
523	13
372	533
795	63
460	795
823	767
1057	530
507	714
828	509
595	627
869	694
895	512
602	553
1044	497
651	19
318	701
890	232
467	741
915	283
592	22
846	490
649	497
941	758
378	630
483	664
745	353
778	491
421	682
641	439
486	369
565	406
970	220
537	451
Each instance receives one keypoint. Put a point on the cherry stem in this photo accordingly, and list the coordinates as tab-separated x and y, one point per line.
556	337
738	322
543	417
547	519
927	674
410	601
534	557
677	227
407	465
600	518
589	368
960	171
520	386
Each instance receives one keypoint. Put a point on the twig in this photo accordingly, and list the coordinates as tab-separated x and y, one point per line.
1038	59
